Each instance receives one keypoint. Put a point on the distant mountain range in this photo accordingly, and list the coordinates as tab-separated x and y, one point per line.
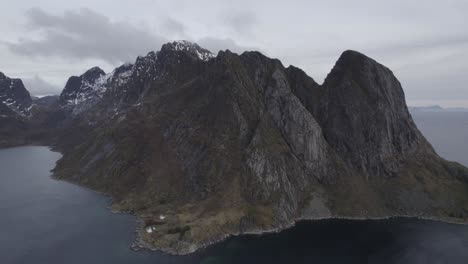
202	146
437	108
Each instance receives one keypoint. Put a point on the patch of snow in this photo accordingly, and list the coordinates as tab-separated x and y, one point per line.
202	54
9	102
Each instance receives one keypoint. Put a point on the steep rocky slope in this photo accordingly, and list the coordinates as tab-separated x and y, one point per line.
46	101
14	95
239	143
82	92
229	144
15	105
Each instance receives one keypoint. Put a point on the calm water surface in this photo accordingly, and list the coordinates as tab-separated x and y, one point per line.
48	221
447	132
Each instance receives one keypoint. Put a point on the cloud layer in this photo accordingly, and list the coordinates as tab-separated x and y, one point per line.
425	45
84	34
37	86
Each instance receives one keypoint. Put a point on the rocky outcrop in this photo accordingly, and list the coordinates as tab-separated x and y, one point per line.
14	96
188	48
82	92
15	108
383	135
46	101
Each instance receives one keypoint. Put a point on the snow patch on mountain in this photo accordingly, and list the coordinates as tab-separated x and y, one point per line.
201	53
84	91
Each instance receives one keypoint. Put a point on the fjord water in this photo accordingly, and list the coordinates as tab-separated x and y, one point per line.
47	221
447	132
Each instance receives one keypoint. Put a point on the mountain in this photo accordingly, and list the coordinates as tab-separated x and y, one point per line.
15	106
82	92
437	108
202	146
14	96
383	135
45	101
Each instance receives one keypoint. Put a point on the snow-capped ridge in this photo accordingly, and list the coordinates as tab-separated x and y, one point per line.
190	47
82	92
121	74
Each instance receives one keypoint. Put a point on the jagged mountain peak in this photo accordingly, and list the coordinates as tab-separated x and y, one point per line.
149	58
353	56
149	55
93	73
188	47
123	70
84	90
354	64
383	133
94	82
14	96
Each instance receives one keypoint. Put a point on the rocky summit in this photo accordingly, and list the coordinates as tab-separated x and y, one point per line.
14	96
82	92
15	106
202	146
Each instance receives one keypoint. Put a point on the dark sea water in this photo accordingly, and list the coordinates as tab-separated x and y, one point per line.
47	221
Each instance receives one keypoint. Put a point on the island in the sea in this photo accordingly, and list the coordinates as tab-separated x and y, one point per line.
202	146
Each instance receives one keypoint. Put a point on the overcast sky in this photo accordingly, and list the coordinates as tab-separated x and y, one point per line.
425	43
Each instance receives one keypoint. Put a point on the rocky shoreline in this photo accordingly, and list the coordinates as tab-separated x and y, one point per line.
139	244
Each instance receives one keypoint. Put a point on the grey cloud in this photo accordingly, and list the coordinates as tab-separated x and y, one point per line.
422	44
242	22
174	27
217	44
425	45
84	34
38	86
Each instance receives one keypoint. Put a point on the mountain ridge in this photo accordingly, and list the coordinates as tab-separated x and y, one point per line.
437	108
230	144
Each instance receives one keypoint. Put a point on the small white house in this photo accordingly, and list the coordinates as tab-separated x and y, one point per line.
162	217
150	229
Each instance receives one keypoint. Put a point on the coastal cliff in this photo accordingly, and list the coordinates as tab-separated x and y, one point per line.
202	146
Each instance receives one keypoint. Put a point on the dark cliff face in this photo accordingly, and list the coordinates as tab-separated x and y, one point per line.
82	92
233	143
15	106
14	95
362	110
383	134
217	121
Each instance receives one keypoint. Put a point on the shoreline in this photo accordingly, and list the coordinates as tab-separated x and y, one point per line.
138	244
142	245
